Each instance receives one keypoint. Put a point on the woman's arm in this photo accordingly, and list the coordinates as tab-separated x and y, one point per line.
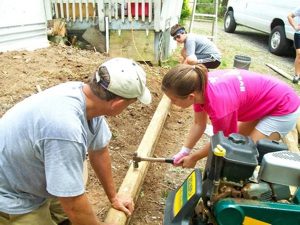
195	133
197	129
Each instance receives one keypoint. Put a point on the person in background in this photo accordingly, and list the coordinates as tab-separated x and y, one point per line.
236	101
292	16
197	49
44	141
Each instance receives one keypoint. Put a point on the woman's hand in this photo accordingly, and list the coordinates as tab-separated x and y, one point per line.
184	151
188	161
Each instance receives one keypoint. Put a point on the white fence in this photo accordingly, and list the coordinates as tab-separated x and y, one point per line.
144	11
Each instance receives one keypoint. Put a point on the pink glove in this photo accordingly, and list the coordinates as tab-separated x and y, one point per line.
182	153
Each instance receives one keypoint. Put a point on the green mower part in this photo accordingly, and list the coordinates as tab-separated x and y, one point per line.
181	203
233	211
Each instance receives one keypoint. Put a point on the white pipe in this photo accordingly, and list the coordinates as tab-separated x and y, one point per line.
106	35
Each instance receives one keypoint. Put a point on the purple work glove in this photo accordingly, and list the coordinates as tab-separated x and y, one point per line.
182	153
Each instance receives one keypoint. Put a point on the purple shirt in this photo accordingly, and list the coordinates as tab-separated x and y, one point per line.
241	95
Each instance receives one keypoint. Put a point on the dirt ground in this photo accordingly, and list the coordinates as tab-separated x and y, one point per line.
23	73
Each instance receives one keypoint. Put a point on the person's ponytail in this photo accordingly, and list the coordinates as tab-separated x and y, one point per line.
202	71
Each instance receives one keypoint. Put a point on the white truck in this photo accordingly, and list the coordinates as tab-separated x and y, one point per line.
268	16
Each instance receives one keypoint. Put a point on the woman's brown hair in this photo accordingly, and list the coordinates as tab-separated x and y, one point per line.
184	79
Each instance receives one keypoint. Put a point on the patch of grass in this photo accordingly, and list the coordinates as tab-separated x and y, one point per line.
170	62
226	63
173	60
164	193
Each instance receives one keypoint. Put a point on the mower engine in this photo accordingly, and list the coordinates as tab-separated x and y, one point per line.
243	183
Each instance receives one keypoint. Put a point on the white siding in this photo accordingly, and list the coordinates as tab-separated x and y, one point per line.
22	25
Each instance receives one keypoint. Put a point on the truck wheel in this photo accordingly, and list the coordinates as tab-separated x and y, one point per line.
278	44
229	22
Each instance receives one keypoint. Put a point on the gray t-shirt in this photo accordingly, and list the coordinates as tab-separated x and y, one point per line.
43	143
200	45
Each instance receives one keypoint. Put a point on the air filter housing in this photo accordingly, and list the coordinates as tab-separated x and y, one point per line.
281	167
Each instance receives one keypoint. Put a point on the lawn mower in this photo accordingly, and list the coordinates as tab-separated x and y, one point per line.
243	183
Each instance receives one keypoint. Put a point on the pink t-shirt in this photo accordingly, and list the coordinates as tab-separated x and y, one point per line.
241	95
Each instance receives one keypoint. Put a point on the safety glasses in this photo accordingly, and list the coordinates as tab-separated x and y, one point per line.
176	36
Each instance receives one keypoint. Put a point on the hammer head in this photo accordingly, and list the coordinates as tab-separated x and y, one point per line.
136	159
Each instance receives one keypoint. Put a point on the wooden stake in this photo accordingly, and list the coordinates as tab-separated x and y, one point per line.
134	178
291	140
279	71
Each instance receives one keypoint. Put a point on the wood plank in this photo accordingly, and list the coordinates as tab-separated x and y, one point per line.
280	71
291	140
134	178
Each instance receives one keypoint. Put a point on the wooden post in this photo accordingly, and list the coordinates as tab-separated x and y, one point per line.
135	176
291	140
279	71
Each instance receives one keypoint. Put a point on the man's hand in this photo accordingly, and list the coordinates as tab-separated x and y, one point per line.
124	204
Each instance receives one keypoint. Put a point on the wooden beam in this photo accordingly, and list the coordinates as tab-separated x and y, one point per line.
291	140
279	71
134	178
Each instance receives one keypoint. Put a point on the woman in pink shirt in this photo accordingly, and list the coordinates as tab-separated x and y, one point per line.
240	101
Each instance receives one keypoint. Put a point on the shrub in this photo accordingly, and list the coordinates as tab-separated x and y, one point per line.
185	12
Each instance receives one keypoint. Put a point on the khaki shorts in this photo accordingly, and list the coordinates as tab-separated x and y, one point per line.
278	124
50	213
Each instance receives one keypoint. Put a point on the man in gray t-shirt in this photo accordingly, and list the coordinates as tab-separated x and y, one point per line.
44	141
197	49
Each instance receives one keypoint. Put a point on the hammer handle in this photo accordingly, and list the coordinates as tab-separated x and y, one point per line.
167	160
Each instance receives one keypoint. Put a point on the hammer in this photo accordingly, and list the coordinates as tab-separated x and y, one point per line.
137	159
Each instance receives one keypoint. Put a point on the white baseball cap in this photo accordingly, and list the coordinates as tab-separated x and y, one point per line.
127	79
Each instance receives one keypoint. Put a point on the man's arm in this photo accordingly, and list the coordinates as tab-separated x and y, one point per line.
191	60
101	163
190	48
79	210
